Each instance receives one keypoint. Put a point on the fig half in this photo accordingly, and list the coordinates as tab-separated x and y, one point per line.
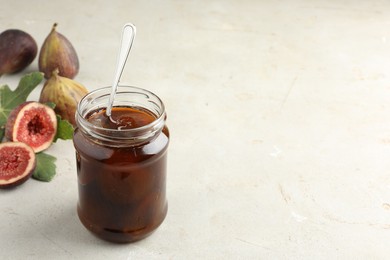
32	123
17	163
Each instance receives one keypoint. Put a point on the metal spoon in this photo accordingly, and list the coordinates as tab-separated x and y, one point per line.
128	36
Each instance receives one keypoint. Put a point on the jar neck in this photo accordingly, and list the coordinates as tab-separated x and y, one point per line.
126	96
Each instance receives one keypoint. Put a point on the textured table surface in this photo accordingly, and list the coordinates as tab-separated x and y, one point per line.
279	115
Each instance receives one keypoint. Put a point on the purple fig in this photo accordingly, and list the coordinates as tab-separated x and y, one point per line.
17	50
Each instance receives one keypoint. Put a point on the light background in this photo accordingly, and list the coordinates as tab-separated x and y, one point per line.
278	112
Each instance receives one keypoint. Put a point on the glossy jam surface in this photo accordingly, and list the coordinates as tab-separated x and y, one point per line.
121	118
122	190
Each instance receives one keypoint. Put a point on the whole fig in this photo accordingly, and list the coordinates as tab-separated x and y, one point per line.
57	52
17	50
65	93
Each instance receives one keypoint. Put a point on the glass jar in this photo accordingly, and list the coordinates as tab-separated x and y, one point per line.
121	163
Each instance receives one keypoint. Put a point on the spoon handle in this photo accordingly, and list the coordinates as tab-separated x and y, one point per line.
128	35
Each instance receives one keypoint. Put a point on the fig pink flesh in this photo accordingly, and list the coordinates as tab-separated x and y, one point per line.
35	127
17	163
13	160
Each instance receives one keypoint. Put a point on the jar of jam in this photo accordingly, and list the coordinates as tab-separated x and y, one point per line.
121	163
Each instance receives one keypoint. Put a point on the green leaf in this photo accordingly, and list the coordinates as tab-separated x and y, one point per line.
64	129
2	131
46	167
10	99
4	111
50	104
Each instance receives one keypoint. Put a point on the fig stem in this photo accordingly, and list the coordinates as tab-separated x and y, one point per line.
54	27
128	35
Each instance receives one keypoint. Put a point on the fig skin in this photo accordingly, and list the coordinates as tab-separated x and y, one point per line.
32	132
65	93
18	49
12	156
57	52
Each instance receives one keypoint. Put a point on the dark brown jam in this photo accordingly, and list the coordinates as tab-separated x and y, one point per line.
122	188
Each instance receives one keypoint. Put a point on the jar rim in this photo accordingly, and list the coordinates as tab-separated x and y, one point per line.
122	133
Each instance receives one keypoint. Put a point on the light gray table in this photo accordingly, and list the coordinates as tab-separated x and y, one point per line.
279	113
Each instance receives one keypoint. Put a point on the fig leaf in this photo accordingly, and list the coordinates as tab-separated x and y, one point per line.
46	167
10	99
50	104
64	129
2	131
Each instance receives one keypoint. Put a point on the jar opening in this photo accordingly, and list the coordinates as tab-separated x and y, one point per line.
126	96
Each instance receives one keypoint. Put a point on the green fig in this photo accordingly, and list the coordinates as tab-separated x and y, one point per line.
17	50
57	52
64	93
